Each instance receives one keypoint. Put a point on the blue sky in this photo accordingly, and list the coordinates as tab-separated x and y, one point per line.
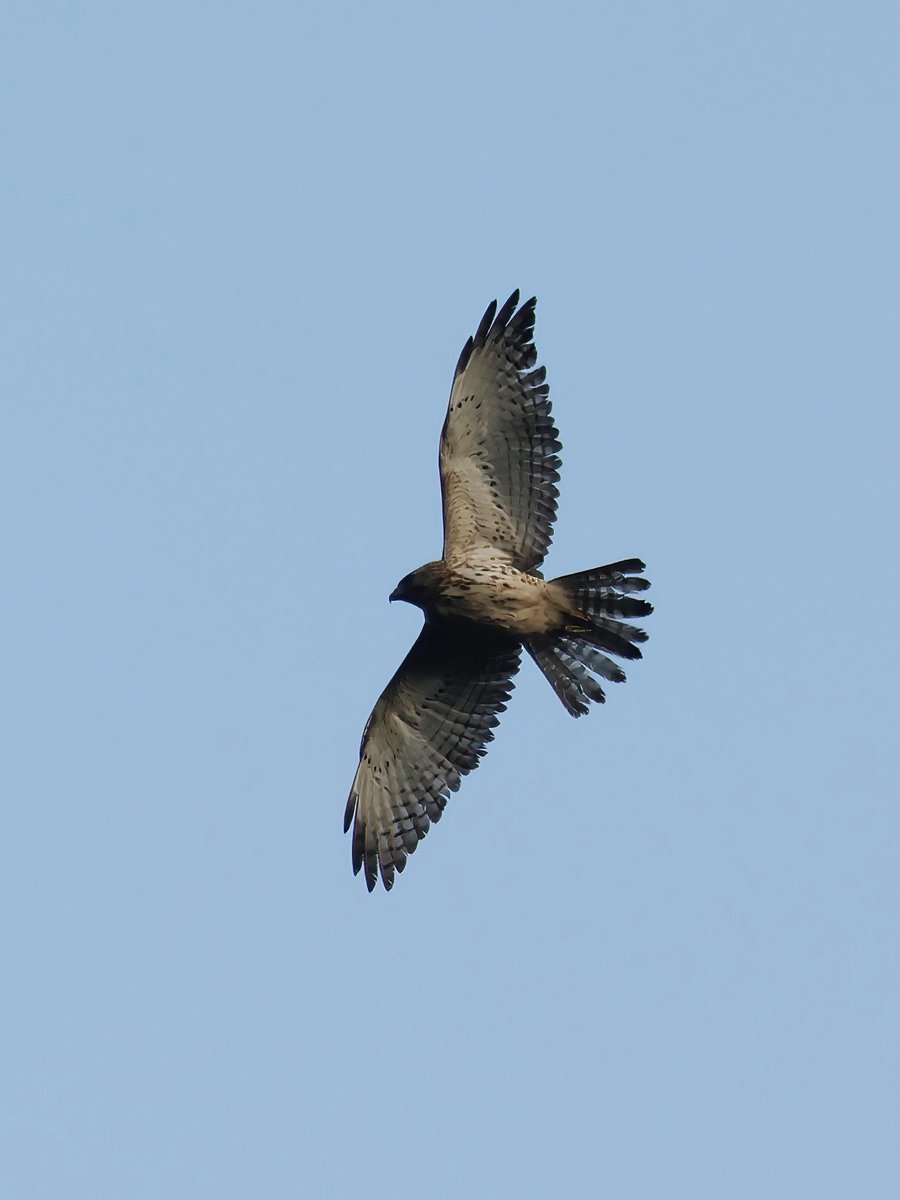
650	953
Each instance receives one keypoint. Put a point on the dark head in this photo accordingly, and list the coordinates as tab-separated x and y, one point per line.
418	587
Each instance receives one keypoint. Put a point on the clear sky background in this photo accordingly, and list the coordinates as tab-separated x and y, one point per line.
650	953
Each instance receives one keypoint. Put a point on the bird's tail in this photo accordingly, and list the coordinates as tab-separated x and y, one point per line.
572	656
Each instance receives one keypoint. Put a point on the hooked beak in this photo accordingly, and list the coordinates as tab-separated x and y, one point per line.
395	594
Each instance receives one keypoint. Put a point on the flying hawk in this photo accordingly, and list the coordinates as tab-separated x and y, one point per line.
485	600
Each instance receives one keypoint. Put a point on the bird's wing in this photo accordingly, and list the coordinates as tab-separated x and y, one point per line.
498	460
429	728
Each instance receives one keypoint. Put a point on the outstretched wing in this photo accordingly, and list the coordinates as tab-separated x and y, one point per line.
498	461
429	728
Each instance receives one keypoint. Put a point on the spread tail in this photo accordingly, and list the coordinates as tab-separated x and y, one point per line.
572	657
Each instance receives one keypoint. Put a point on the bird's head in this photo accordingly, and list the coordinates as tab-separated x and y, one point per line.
418	587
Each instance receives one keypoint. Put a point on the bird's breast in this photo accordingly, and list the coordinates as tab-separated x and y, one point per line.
497	595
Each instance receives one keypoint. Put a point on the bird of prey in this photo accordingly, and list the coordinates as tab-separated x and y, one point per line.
485	600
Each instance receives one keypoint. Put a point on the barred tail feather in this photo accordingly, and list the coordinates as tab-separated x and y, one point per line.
572	657
607	591
568	663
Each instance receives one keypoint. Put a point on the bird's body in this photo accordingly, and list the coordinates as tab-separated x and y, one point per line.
485	600
486	589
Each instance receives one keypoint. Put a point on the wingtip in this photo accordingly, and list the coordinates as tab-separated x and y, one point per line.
371	874
465	355
495	321
484	324
503	316
349	812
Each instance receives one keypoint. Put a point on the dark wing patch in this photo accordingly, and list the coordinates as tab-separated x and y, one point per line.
498	457
430	727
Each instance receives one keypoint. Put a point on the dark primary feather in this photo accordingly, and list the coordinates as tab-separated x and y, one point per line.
498	457
429	728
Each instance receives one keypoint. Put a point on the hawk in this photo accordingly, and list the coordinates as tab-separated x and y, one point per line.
485	600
